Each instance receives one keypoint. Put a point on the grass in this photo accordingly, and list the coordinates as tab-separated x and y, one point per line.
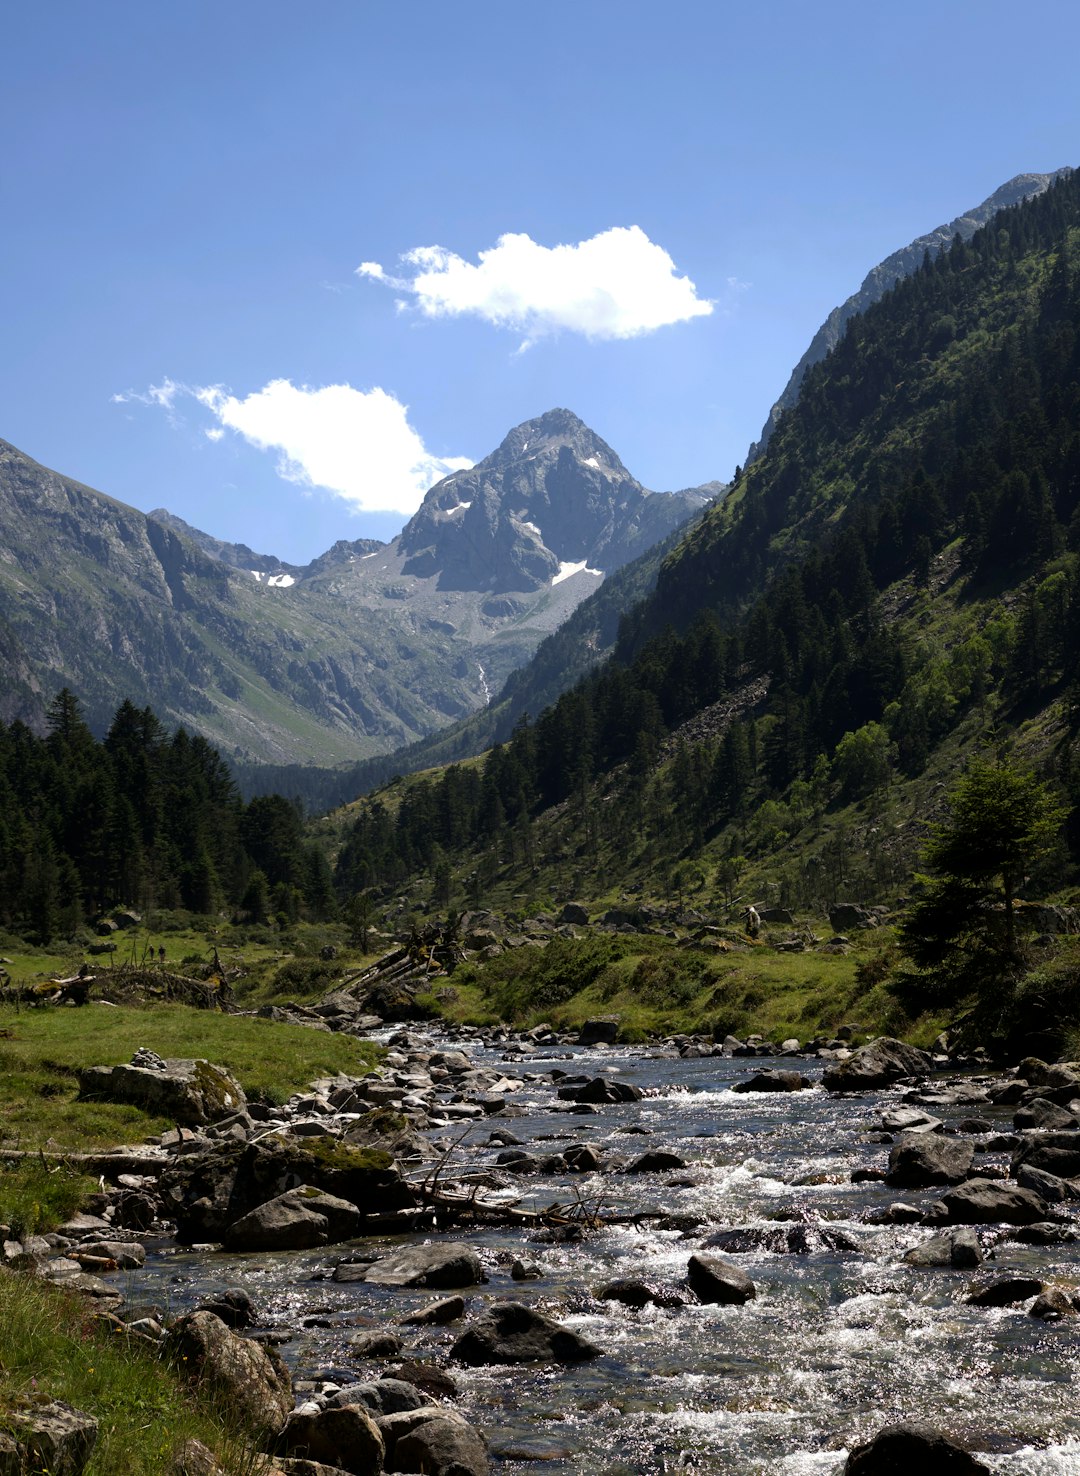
42	1049
51	1347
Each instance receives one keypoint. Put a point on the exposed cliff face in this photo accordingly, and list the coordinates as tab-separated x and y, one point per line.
881	278
367	648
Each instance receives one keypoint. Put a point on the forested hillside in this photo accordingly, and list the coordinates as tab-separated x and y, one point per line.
895	577
147	818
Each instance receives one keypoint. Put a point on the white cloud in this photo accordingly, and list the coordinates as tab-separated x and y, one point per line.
617	284
355	443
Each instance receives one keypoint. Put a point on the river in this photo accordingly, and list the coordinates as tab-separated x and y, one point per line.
833	1346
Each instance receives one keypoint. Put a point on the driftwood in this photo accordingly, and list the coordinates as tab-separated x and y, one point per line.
108	1164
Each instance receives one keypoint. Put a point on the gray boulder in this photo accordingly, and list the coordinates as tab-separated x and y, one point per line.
191	1092
296	1220
712	1279
448	1265
1005	1291
441	1447
774	1081
52	1437
845	917
656	1161
1050	1187
598	1032
1044	1115
920	1159
987	1201
346	1437
634	1292
252	1379
602	1089
958	1248
903	1450
513	1333
876	1065
575	913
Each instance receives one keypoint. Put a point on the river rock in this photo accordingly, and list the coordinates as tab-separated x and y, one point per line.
774	1081
449	1309
296	1220
921	1159
712	1279
781	1240
129	1255
441	1446
903	1450
208	1190
1053	1304
1004	1292
602	1090
958	1248
346	1437
513	1333
191	1092
655	1161
385	1396
251	1378
986	1201
447	1265
1055	1153
1050	1187
598	1032
909	1120
1043	1115
876	1065
52	1437
375	1345
632	1292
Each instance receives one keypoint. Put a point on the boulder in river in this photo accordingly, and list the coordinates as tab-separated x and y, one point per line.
1004	1291
347	1438
774	1081
513	1333
598	1032
953	1248
252	1379
602	1089
442	1446
296	1220
451	1264
903	1450
712	1279
191	1092
920	1159
655	1161
635	1292
208	1190
781	1240
988	1201
876	1065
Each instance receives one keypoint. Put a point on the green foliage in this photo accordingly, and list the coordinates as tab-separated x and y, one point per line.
962	932
520	982
863	761
35	1198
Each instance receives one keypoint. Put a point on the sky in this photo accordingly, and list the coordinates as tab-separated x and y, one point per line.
278	268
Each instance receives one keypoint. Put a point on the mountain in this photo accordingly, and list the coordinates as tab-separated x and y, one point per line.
891	588
881	278
366	648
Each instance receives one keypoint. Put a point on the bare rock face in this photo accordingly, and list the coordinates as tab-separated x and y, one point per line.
191	1092
253	1379
53	1438
513	1333
347	1438
902	1450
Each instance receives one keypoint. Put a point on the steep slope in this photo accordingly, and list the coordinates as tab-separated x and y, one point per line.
881	278
365	649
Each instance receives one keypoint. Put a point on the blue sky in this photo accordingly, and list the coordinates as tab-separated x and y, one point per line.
190	189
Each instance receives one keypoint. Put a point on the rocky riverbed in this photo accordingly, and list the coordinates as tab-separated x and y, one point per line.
595	1259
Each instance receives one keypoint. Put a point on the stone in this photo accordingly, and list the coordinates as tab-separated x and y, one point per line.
193	1458
774	1081
909	1120
1043	1115
449	1309
209	1189
784	1240
441	1447
375	1345
635	1293
920	1159
655	1161
129	1255
346	1437
903	1450
52	1437
251	1378
574	913
296	1220
448	1265
712	1279
1052	1305
1004	1292
386	1396
875	1065
986	1201
957	1248
598	1032
1050	1187
191	1092
602	1089
513	1333
234	1307
844	917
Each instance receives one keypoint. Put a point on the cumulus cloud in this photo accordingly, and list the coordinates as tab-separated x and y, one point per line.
617	284
355	443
